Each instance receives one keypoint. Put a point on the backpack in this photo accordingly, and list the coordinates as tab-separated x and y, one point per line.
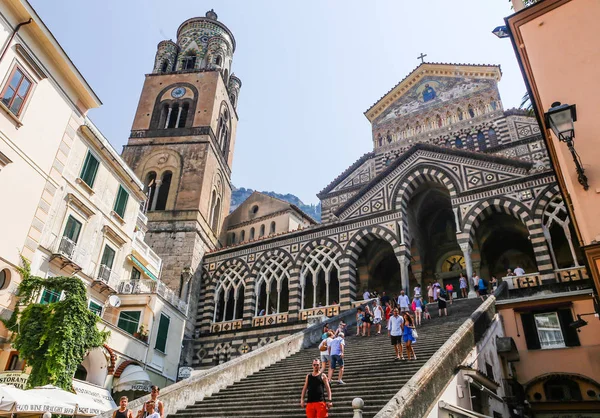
443	293
323	345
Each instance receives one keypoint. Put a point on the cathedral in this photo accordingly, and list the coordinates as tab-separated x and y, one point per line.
454	184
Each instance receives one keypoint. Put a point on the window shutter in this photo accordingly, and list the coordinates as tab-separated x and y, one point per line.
72	229
530	330
163	332
569	333
121	202
89	170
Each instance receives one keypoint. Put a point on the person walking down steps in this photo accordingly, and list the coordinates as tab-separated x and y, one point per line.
395	328
336	353
315	385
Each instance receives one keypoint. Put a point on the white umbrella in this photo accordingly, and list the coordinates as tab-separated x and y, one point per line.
17	401
78	405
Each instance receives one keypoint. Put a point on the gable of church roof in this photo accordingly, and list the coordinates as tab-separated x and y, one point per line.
439	70
348	175
266	205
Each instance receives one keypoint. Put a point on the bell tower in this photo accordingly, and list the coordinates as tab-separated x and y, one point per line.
181	147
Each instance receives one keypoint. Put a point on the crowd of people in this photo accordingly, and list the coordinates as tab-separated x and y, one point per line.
153	408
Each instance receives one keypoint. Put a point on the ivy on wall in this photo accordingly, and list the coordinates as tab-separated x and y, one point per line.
53	338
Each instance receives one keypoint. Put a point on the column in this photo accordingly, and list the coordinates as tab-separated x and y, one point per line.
348	282
404	261
168	117
466	249
178	116
155	197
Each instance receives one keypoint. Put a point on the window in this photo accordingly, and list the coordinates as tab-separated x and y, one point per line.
95	307
49	296
272	230
242	235
16	91
261	231
189	62
121	202
108	257
72	229
135	274
4	278
129	321
163	333
89	170
15	363
163	191
562	389
252	233
550	329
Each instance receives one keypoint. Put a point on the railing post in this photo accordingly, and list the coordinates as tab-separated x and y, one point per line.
357	406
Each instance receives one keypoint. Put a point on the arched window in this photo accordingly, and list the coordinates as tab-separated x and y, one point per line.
223	129
380	140
470	142
493	104
460	114
261	232
252	233
218	60
557	229
164	115
162	191
319	278
216	214
182	116
458	142
272	229
226	76
272	290
493	138
562	389
471	111
233	238
243	235
164	66
439	121
481	141
172	115
150	190
188	62
229	295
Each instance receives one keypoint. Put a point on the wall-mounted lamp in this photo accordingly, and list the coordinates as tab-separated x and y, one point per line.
501	32
581	322
560	118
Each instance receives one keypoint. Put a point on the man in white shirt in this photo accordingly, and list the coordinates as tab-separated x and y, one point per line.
366	295
335	348
519	271
395	327
403	302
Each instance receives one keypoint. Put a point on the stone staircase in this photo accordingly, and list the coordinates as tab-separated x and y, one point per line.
370	373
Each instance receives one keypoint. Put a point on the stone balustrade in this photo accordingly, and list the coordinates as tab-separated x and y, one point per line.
523	282
226	325
266	320
328	311
571	274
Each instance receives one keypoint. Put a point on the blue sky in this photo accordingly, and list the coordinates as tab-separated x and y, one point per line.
309	69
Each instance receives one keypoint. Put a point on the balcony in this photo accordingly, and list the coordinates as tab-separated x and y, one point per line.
142	286
566	280
66	254
106	279
144	254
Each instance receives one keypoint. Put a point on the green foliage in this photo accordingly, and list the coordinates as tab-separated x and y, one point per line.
527	105
53	338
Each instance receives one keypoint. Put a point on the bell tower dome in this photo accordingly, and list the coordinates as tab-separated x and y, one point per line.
181	146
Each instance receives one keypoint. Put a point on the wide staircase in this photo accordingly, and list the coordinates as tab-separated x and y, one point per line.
371	373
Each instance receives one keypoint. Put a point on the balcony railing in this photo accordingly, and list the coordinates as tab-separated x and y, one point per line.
329	311
134	287
524	281
273	319
67	248
147	253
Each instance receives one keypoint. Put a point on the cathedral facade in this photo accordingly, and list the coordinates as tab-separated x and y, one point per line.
455	184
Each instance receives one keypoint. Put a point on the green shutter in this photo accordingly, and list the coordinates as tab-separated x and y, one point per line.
72	229
163	332
89	170
49	296
128	321
530	330
96	308
121	202
135	274
108	257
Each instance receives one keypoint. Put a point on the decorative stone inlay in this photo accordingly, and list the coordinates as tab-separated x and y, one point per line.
523	282
226	326
281	318
320	311
571	274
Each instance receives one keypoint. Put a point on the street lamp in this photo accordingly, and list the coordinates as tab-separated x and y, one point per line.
560	118
501	32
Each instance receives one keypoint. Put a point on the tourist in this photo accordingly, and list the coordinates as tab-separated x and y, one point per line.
475	281
342	327
360	317
336	352
384	299
323	351
417	291
366	295
441	300
314	388
450	290
367	321
494	283
407	335
154	392
395	328
462	283
436	290
388	313
482	285
430	292
509	273
403	302
325	332
426	314
150	407
378	317
262	312
418	308
123	412
519	271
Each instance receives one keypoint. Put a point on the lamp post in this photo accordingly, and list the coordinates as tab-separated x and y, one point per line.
560	118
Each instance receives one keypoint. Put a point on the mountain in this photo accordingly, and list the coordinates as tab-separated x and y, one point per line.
241	194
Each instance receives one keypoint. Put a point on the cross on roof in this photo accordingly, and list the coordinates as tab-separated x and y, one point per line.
421	57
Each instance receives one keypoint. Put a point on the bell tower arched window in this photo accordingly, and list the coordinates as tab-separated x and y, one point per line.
224	129
164	66
188	62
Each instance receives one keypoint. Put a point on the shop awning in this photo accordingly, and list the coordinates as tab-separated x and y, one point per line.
141	266
133	378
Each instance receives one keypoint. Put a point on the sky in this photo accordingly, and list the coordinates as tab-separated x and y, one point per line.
309	69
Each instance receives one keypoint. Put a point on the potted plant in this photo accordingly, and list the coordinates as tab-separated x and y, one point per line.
142	334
